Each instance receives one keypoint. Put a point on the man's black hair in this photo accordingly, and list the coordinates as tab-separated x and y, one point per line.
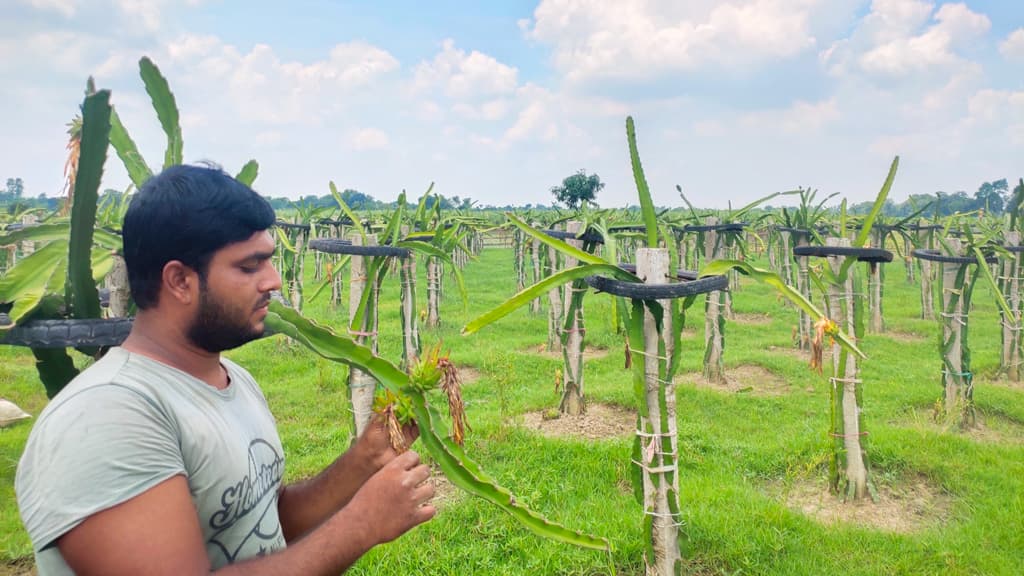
186	213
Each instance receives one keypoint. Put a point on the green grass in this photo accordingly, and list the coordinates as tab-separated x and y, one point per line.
736	449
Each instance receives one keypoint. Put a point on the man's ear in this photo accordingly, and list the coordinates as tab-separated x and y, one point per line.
180	282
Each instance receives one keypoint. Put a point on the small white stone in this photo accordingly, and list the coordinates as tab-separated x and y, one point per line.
11	413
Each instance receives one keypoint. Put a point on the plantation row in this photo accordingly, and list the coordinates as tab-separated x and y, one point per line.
829	268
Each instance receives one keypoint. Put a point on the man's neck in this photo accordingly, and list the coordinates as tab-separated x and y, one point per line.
166	342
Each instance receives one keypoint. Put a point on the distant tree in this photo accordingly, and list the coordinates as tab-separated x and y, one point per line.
15	189
992	196
578	189
356	200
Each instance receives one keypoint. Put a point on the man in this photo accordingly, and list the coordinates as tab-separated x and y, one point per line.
162	457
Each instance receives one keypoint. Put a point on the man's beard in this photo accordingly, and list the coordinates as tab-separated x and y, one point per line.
213	329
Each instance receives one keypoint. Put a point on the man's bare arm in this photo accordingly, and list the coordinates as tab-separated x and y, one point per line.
157	533
304	505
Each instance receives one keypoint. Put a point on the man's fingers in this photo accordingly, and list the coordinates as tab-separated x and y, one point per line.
407	460
425	512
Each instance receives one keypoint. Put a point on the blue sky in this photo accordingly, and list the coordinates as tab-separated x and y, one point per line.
498	101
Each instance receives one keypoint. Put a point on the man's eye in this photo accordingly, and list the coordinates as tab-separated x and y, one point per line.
249	269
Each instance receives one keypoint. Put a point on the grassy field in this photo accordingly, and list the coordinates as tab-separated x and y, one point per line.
742	451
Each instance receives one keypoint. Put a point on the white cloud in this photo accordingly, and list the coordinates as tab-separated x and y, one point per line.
63	51
464	76
645	38
66	8
1013	47
144	12
801	117
490	110
262	87
999	110
369	139
895	40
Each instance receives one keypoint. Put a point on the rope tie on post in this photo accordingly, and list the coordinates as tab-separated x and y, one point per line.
1011	326
967	375
845	296
643	434
649	355
955	317
673	517
361	333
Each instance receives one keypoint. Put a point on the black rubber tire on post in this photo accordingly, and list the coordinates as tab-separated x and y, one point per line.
936	256
793	231
339	246
1014	248
688	286
343	222
66	333
877	255
728	227
290	226
630	228
69	333
588	236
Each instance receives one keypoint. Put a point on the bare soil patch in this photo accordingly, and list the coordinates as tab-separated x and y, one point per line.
468	374
746	379
756	318
589	352
18	567
444	491
1002	382
802	355
904	507
598	422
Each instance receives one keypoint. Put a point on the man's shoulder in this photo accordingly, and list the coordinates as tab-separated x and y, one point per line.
113	374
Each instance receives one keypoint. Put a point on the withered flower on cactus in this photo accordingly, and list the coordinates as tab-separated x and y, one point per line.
822	327
451	384
396	413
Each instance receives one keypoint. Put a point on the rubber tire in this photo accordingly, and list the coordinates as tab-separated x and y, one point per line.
339	246
935	256
638	291
588	236
66	333
290	226
876	255
730	227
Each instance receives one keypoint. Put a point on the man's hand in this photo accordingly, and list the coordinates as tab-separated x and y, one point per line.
395	499
374	447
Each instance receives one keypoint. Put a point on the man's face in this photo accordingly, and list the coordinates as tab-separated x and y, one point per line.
234	294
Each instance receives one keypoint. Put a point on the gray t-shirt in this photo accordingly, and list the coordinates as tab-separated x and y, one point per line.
127	424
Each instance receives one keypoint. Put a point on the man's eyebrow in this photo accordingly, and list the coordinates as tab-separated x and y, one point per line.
259	255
